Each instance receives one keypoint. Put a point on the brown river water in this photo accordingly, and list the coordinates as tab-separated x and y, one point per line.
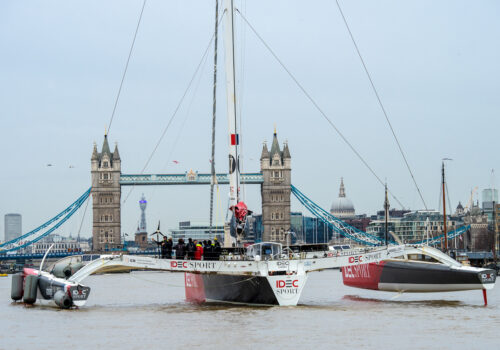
146	310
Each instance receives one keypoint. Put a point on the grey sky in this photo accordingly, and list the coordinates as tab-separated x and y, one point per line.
435	65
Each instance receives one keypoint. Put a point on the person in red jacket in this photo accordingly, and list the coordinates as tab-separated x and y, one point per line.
198	252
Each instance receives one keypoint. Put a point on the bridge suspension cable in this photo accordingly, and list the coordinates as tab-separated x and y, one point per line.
452	234
59	219
335	223
355	234
318	108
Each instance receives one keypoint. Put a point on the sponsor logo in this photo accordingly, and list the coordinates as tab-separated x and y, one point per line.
355	259
488	277
357	271
287	287
283	264
80	293
288	283
192	265
179	264
372	257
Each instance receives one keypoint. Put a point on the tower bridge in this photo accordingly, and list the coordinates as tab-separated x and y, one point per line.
274	179
107	180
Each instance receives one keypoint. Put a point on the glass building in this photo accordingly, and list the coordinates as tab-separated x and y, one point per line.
199	230
13	226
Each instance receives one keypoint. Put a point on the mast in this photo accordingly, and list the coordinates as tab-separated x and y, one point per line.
214	109
386	207
444	211
234	171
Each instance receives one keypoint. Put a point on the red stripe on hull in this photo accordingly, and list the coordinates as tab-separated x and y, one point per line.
29	271
366	276
195	290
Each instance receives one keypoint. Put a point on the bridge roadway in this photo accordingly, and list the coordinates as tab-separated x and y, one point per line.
188	178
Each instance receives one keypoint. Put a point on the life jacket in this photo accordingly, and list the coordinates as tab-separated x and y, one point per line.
199	252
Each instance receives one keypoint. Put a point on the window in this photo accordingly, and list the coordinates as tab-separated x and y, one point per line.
105	164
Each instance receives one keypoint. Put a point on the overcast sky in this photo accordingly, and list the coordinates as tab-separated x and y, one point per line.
435	64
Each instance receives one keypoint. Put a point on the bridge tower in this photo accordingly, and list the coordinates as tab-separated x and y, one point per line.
106	196
276	169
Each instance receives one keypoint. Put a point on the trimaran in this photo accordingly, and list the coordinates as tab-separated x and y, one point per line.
263	273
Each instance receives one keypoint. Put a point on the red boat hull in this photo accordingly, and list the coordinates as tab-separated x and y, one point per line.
366	276
416	276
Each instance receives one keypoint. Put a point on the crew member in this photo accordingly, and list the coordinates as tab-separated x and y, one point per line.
217	249
208	251
180	249
191	248
199	251
163	247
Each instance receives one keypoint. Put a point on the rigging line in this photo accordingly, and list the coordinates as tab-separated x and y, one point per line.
448	197
440	199
83	218
176	108
186	117
318	107
126	66
380	102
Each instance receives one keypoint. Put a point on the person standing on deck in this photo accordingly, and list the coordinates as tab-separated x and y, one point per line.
163	247
217	249
208	251
180	249
198	254
191	248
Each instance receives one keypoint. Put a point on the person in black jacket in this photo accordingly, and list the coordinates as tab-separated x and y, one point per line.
217	249
168	248
164	247
180	249
208	251
191	248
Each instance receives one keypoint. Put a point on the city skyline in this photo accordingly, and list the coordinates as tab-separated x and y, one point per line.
435	72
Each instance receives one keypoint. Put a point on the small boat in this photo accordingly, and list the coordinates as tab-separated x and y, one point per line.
420	269
34	285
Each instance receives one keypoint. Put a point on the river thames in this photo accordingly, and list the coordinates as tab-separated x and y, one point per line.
146	310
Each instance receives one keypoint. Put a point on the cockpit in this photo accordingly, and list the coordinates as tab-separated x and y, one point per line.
264	251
